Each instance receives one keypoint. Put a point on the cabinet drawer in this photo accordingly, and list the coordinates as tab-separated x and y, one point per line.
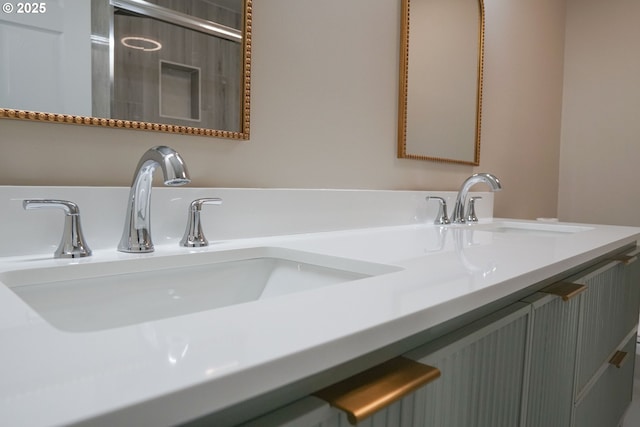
482	366
604	404
603	319
633	292
483	372
552	356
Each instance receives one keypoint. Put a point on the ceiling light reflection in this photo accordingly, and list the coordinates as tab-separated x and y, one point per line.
141	43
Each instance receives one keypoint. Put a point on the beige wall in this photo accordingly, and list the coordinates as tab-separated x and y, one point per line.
601	114
324	113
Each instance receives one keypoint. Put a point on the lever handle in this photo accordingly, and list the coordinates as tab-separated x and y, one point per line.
72	244
193	234
471	209
441	218
197	204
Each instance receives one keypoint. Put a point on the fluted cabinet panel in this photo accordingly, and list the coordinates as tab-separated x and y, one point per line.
482	370
140	85
482	366
633	294
552	360
603	319
482	377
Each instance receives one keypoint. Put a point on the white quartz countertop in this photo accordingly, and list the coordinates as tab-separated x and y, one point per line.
168	371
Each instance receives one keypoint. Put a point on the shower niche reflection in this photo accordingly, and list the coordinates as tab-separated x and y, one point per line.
179	91
168	65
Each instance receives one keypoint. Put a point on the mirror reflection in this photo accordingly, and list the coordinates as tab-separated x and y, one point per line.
169	65
441	80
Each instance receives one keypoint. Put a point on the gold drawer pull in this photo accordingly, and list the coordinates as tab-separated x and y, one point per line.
619	358
566	290
363	394
625	259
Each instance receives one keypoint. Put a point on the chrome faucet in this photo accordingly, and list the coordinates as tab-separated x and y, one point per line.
136	236
461	200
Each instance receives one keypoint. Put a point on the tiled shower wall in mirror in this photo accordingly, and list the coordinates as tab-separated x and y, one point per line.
165	73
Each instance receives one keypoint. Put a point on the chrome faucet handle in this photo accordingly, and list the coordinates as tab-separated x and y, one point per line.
471	209
441	217
193	234
72	244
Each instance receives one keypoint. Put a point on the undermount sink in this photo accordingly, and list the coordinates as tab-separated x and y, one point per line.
538	228
104	295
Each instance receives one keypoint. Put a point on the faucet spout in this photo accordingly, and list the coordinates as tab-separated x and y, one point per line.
461	200
136	236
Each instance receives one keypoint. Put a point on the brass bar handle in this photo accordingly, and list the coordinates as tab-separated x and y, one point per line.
625	259
619	358
364	394
565	290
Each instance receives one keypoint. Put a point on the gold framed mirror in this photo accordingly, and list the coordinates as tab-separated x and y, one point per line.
441	71
195	58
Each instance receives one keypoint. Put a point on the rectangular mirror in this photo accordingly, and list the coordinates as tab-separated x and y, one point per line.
440	98
162	65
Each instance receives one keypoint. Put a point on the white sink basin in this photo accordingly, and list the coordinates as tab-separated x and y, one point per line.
104	295
538	228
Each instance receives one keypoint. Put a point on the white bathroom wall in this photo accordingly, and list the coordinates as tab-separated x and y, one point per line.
324	112
522	103
599	180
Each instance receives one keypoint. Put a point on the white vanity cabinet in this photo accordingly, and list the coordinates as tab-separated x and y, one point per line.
552	359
